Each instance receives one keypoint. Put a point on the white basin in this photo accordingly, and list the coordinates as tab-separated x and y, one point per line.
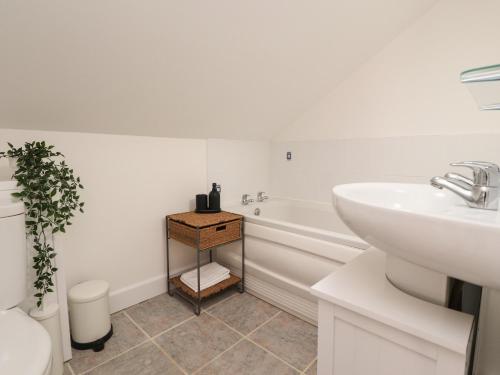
425	226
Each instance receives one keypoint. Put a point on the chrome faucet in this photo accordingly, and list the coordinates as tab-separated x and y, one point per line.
245	199
482	191
261	197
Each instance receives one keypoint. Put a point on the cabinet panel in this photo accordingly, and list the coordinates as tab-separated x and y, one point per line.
359	352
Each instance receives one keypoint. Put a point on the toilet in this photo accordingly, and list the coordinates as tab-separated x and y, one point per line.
25	346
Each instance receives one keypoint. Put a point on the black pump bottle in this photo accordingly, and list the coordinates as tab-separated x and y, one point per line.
214	198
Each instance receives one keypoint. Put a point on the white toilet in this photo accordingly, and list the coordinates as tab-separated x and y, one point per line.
25	346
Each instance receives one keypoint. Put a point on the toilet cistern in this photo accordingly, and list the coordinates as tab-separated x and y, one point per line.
482	191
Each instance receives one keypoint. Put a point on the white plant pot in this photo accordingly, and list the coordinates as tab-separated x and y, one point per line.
48	317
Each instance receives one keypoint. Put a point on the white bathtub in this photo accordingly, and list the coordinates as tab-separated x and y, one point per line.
290	246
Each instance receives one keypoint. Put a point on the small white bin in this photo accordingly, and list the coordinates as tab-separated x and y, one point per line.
90	320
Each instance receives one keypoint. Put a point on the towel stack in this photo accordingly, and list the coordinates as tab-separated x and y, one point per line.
210	274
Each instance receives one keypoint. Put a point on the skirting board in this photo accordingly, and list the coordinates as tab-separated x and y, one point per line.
122	298
133	294
305	309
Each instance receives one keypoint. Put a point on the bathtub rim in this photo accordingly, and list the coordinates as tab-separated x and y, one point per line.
304	230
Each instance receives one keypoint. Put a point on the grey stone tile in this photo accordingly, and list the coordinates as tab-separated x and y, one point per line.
313	369
290	338
66	370
125	336
146	359
246	358
244	312
159	313
197	341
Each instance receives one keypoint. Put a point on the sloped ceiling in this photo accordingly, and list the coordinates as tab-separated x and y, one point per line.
184	68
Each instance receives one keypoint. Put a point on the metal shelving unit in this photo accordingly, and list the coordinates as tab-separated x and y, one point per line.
204	233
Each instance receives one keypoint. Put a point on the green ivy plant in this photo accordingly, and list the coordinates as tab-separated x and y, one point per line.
50	193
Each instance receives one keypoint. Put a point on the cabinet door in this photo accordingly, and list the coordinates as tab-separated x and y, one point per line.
359	352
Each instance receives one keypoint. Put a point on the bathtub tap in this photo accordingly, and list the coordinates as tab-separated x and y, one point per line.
245	199
261	197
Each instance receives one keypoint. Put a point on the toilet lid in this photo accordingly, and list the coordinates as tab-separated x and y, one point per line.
25	346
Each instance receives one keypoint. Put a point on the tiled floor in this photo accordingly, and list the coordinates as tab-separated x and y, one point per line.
235	334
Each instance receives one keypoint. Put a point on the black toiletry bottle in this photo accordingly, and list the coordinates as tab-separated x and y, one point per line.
214	198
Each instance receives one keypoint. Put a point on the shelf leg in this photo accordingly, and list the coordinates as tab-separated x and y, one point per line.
242	288
210	255
170	293
198	302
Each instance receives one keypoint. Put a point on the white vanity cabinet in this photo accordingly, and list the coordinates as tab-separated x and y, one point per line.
367	326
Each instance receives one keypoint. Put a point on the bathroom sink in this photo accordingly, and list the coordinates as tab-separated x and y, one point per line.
427	227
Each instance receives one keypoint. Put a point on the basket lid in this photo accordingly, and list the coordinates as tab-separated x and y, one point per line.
88	291
197	220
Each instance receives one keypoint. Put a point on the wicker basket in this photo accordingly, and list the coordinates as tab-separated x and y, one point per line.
210	237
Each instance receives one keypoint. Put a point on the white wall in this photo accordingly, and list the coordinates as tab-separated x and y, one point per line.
400	116
131	183
317	166
240	167
412	86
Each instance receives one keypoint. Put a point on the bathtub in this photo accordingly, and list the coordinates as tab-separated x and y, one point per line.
291	245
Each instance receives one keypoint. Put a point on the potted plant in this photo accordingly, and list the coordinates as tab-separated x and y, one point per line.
50	193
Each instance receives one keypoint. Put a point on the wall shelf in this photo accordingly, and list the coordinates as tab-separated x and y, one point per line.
484	85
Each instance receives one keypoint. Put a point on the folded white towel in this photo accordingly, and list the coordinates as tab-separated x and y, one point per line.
206	284
210	274
194	286
207	271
